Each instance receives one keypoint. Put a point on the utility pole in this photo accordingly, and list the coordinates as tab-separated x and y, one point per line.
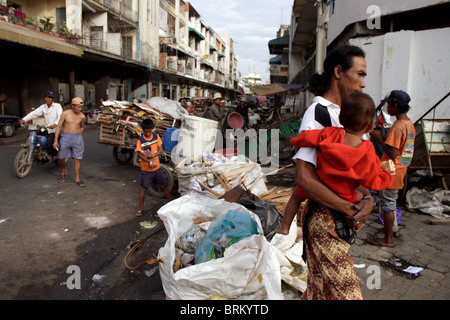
321	35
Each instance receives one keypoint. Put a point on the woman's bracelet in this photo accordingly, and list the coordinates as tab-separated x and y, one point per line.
371	198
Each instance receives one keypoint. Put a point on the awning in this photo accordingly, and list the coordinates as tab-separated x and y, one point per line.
180	49
27	37
276	59
197	33
269	89
277	45
282	41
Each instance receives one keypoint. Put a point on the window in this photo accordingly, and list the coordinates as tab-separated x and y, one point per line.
171	23
127	50
97	37
60	16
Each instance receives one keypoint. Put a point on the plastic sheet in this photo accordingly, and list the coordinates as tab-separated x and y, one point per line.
270	218
226	230
433	203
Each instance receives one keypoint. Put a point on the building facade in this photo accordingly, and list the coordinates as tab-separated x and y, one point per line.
119	49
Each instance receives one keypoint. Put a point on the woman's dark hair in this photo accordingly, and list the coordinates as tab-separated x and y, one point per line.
340	56
357	111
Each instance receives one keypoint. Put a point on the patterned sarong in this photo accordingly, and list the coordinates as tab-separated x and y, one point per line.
331	275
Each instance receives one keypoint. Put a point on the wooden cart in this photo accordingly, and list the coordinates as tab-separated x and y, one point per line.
124	145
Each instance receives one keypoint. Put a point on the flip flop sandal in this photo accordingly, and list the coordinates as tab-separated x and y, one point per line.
139	213
80	184
62	178
379	243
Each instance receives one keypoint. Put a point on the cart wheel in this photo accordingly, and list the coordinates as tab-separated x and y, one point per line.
122	155
156	191
284	150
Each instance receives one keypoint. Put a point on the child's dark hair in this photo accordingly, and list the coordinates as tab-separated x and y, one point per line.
340	56
357	111
403	108
147	124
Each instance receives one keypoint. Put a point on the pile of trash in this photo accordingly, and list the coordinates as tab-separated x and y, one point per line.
163	112
217	248
221	235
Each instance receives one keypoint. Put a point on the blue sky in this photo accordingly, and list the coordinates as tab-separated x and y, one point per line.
251	24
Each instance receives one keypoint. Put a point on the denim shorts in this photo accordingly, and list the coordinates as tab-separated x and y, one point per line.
388	201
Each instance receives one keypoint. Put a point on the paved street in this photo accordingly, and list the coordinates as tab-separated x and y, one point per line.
46	227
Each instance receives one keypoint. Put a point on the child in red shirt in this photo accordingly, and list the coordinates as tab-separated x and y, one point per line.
345	161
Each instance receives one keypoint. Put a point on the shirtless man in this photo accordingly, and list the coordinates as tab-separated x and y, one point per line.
72	144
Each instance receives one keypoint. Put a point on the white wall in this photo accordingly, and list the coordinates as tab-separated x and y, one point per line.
350	11
416	62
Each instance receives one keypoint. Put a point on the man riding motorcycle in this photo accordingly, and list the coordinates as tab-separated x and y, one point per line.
52	112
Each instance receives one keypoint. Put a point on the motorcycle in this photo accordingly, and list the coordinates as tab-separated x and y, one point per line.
35	150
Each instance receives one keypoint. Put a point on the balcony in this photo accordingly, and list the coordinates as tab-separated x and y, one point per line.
120	8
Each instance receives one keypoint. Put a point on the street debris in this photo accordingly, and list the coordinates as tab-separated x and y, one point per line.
148	224
222	240
434	202
97	278
402	267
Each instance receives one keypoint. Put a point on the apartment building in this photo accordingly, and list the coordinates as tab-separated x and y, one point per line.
121	49
279	50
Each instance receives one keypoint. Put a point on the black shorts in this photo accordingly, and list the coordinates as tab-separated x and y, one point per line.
149	178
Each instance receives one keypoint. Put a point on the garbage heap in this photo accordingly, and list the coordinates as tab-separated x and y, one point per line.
128	116
222	242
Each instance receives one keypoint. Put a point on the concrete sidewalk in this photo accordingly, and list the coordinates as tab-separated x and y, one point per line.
422	244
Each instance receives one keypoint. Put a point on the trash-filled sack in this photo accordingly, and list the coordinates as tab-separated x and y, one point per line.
270	218
246	269
226	230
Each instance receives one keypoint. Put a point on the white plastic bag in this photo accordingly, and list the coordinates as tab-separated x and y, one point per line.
248	270
289	253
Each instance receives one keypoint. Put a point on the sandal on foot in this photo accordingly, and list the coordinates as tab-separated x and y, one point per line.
380	243
139	213
80	184
62	178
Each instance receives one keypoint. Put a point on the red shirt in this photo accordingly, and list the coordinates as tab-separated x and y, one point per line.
343	168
